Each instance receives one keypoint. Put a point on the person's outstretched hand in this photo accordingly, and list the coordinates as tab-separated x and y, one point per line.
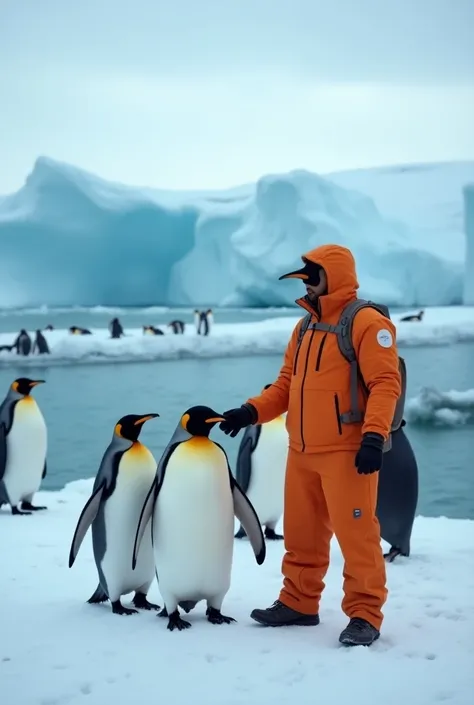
369	458
237	419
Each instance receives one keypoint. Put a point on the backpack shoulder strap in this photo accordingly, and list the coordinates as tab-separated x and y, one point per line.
346	322
346	347
305	323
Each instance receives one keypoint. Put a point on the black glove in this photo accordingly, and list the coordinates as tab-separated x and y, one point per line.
237	419
369	458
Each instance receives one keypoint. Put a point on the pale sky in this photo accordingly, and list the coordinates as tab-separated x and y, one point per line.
189	94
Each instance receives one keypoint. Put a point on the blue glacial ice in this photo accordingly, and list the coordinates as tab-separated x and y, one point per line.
70	238
469	227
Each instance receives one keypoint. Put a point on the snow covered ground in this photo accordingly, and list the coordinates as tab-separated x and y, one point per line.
57	650
440	326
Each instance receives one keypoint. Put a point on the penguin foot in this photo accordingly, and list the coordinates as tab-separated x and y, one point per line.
215	617
31	507
16	511
187	605
140	601
392	554
271	535
118	608
163	613
175	622
240	534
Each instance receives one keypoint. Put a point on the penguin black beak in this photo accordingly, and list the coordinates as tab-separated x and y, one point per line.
37	381
215	419
145	418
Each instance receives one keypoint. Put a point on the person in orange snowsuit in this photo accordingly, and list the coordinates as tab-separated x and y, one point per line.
331	477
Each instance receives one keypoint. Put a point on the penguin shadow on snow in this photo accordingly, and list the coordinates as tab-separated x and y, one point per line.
189	512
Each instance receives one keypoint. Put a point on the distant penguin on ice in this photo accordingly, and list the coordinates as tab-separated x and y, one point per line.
261	469
203	321
22	344
76	330
123	481
23	447
40	344
191	506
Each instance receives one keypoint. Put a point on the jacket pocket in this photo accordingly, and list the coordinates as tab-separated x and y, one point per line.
313	418
337	409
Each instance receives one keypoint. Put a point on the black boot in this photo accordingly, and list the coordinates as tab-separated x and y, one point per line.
359	632
279	615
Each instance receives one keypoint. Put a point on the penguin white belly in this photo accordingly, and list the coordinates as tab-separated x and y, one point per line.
26	451
267	482
193	524
121	516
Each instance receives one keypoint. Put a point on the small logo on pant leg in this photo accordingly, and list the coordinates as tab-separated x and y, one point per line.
356	513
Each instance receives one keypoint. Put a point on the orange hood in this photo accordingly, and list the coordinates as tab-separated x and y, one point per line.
339	265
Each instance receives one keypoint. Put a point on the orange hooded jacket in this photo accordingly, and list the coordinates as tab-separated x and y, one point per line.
313	384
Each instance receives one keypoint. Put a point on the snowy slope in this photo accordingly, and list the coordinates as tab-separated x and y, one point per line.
68	237
427	197
57	650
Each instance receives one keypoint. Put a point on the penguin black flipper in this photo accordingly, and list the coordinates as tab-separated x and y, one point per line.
398	493
149	504
246	514
45	470
104	485
244	456
3	464
86	518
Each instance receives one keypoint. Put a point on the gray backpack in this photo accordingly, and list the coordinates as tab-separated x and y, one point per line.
343	331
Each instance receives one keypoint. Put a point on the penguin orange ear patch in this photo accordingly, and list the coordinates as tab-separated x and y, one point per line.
15	386
118	429
184	421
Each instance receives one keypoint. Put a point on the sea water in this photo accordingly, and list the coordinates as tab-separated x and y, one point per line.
81	404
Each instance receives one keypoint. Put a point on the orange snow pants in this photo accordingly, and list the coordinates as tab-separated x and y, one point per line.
324	495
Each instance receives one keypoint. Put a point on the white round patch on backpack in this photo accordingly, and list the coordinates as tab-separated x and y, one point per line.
384	338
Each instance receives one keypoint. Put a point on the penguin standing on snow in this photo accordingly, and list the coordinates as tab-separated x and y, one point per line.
22	344
397	495
192	504
261	469
23	446
40	344
203	321
123	481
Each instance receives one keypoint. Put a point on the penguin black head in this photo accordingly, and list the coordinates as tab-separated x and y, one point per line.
129	427
199	420
24	385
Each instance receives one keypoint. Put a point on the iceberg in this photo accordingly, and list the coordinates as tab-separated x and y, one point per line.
469	228
70	238
431	407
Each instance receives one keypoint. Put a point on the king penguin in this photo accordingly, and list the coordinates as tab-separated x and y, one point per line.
191	505
261	469
123	481
23	447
